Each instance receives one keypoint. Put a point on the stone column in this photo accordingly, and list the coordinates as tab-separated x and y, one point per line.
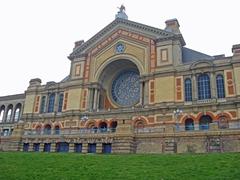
99	148
95	98
141	92
194	88
5	114
71	147
30	147
213	85
41	147
84	147
146	92
53	147
90	100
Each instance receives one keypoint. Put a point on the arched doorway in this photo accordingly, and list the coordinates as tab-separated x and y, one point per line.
62	147
204	122
189	124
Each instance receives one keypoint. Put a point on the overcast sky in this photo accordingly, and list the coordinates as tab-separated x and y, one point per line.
36	36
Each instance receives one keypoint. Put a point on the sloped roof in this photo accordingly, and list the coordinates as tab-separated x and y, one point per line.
189	55
119	22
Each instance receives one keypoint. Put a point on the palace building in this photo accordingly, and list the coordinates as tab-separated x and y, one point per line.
132	88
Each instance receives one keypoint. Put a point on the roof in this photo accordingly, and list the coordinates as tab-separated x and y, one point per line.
189	55
12	97
153	32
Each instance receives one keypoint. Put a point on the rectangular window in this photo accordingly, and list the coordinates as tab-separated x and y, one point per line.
43	104
60	102
77	70
164	55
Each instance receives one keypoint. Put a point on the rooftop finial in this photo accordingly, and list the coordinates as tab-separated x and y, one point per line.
121	13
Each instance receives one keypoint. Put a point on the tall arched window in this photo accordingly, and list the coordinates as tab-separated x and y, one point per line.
9	113
17	113
43	104
2	110
51	102
57	130
220	86
204	91
188	90
60	102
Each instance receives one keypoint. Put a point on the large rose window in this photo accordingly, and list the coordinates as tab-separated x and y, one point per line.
126	88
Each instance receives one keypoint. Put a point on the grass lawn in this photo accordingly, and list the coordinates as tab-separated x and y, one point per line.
88	166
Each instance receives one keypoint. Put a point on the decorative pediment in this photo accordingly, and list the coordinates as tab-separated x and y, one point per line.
201	64
121	25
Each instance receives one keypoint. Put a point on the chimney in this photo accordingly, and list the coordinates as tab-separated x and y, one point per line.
172	25
236	49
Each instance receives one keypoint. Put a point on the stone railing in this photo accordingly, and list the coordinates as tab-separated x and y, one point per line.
81	131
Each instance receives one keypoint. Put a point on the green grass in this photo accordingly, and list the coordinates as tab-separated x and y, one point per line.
86	166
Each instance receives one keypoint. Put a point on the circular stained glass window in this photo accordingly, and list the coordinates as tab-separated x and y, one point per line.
126	88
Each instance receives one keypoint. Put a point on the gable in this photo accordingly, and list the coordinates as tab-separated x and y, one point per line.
120	25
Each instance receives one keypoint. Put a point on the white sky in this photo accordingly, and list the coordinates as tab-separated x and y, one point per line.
36	36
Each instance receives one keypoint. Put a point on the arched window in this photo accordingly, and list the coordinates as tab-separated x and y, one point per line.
223	122
188	90
220	86
103	127
113	126
17	113
189	125
204	122
57	130
51	102
60	102
47	129
9	113
204	91
38	130
43	104
2	110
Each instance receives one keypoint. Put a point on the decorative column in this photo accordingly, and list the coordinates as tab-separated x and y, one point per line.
90	101
141	92
194	88
146	93
95	101
213	86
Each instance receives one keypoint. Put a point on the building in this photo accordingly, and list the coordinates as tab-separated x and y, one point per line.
132	88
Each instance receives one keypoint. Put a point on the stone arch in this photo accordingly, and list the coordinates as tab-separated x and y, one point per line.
140	122
117	58
90	124
183	118
199	115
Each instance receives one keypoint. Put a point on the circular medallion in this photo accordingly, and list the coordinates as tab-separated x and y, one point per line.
126	88
120	48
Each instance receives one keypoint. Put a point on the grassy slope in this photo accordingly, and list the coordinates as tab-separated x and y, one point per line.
77	166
